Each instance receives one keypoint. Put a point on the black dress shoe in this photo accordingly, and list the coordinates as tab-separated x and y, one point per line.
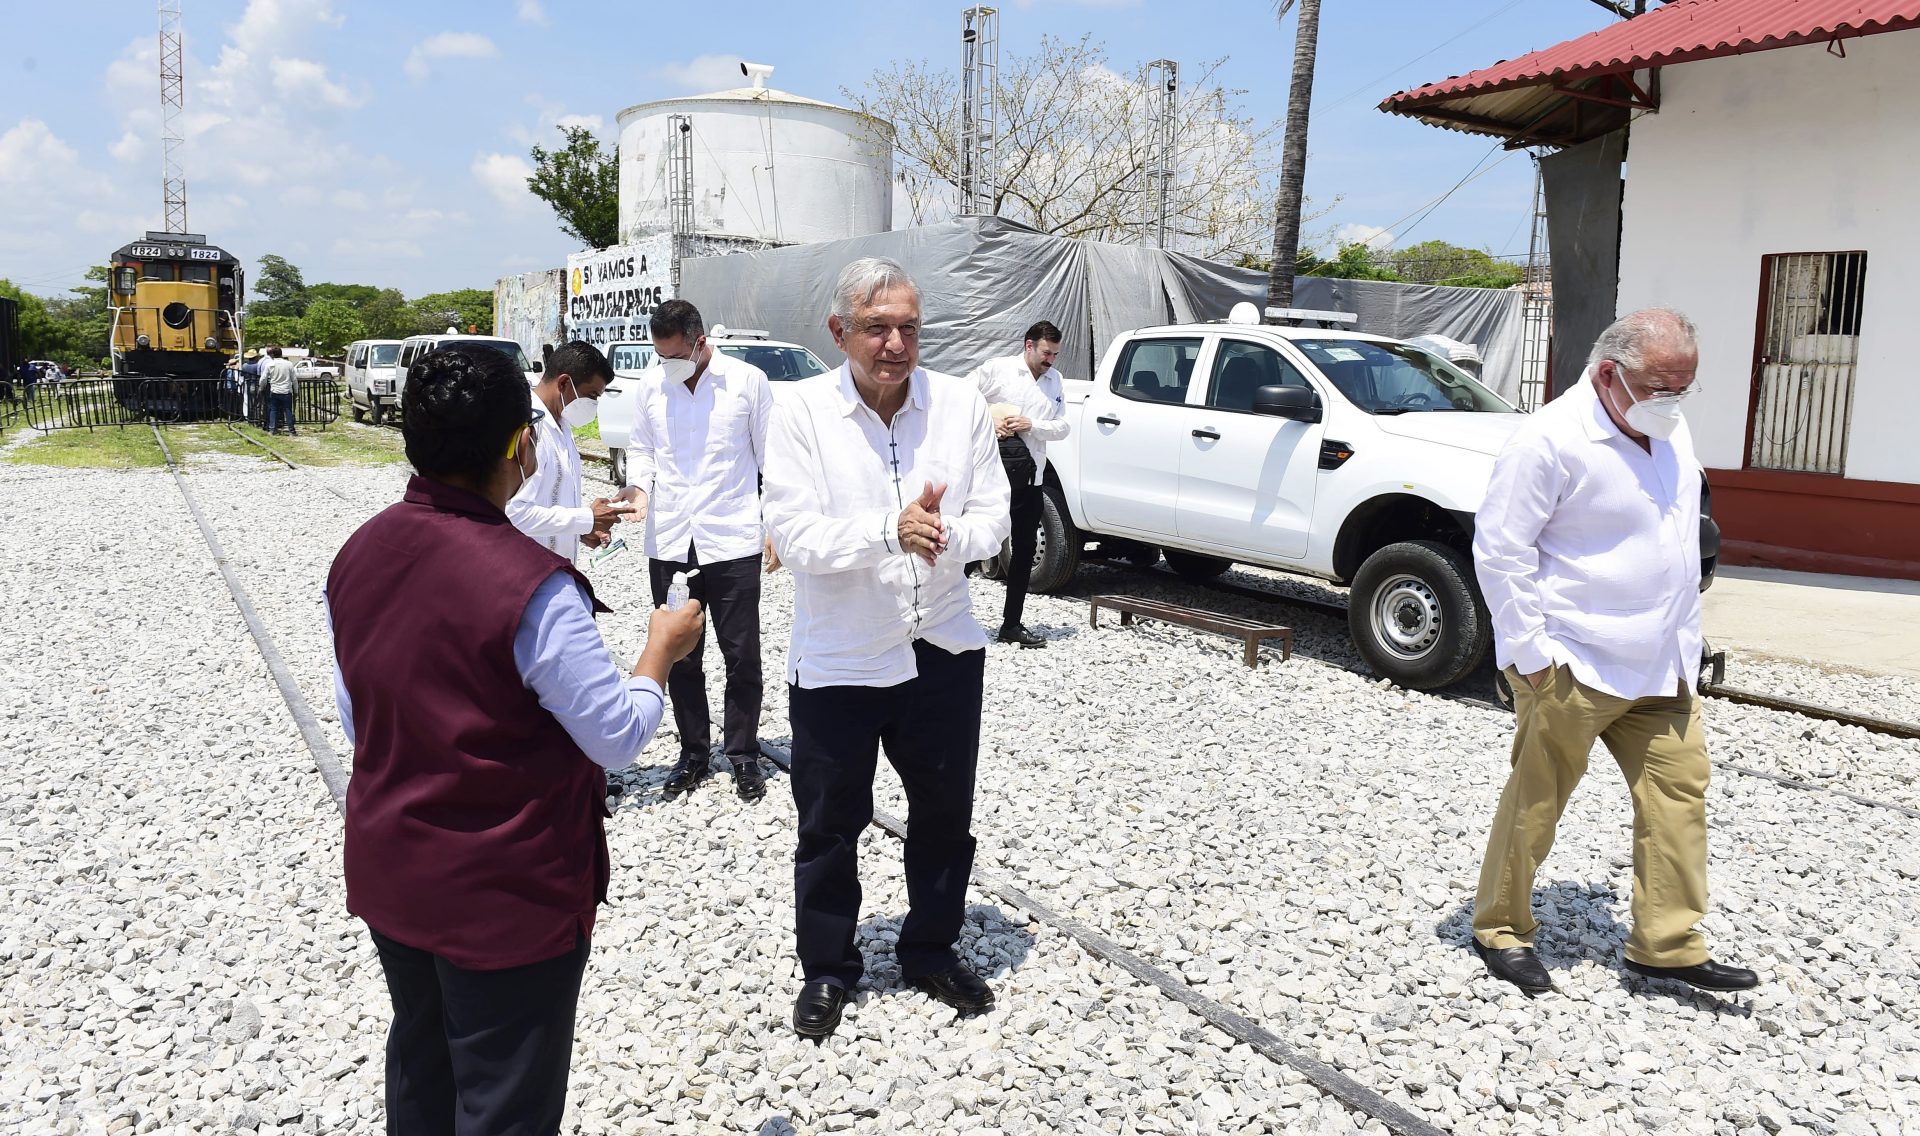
816	1012
1518	965
958	987
688	772
1708	975
748	782
1015	633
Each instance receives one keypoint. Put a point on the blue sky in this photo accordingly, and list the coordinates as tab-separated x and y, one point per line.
383	143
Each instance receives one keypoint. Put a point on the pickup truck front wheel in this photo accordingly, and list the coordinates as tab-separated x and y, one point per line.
617	466
1415	616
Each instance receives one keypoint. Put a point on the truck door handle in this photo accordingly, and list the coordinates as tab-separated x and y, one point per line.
1209	434
1107	420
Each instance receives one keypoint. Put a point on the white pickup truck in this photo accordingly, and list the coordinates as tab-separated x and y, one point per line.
1355	458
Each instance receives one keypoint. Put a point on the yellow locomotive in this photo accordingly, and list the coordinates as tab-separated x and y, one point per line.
176	302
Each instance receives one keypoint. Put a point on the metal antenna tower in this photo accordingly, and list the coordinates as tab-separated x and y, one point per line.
979	112
680	189
1163	94
173	97
1537	315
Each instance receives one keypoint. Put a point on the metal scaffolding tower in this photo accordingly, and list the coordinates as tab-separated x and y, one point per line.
1163	101
1537	315
979	112
173	180
680	189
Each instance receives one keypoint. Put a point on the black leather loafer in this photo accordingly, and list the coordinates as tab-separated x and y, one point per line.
816	1012
1518	965
1708	975
748	782
1016	633
958	987
687	774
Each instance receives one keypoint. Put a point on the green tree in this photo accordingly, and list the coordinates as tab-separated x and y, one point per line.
356	295
279	289
1437	262
582	184
1356	261
274	331
41	335
460	309
330	324
386	316
84	322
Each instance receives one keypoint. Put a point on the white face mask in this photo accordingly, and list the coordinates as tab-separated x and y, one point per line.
1654	417
580	411
680	370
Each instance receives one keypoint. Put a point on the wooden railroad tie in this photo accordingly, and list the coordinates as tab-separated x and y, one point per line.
1248	631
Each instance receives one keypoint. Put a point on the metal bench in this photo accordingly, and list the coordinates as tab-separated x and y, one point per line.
1247	631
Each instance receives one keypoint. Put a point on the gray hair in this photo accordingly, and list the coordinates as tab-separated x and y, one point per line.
864	279
1626	339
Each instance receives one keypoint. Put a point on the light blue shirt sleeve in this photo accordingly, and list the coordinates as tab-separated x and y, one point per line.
562	659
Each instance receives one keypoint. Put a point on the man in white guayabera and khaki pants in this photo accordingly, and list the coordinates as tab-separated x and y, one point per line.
1588	551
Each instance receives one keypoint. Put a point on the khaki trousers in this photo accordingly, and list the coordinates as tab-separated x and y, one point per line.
1660	748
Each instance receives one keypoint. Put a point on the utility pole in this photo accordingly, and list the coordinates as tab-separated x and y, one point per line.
173	179
1293	155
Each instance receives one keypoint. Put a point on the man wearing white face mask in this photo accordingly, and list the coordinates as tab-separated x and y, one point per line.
1587	549
693	466
549	507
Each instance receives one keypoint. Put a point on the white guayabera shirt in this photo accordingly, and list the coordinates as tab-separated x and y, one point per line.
1011	381
837	479
698	456
548	507
1588	551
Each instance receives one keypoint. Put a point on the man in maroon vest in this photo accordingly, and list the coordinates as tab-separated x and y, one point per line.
484	709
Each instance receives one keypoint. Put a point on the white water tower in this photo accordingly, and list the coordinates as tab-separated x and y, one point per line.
766	166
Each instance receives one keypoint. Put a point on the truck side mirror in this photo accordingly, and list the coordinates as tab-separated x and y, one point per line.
1297	403
538	366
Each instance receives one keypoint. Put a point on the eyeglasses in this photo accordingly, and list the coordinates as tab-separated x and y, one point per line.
534	418
1662	393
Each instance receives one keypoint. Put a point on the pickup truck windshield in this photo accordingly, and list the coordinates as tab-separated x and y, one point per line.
1393	378
780	363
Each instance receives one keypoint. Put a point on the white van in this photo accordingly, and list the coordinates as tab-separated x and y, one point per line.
415	346
373	378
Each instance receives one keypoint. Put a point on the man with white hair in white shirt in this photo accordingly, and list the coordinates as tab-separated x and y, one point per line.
882	482
1587	549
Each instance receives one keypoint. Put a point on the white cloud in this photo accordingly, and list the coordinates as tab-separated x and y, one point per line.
705	73
531	12
30	152
308	79
505	177
447	45
592	122
130	148
1353	234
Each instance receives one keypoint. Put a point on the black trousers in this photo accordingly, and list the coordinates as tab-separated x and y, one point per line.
1025	509
730	591
930	727
478	1052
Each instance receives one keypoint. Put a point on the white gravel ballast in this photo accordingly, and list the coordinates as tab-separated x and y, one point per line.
1296	843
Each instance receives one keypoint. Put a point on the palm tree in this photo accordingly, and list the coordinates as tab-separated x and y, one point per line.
1293	154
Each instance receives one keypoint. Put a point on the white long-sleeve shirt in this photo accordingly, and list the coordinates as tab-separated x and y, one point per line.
1011	381
1588	551
698	455
837	479
548	507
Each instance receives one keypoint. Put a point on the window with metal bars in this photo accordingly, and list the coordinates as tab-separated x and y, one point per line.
1809	344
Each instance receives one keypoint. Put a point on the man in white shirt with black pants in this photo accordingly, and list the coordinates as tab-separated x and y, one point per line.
699	441
883	482
1028	383
1588	551
549	506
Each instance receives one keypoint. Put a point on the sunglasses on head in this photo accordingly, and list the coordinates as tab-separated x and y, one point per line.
533	419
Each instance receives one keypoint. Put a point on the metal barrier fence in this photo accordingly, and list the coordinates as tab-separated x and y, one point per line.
88	404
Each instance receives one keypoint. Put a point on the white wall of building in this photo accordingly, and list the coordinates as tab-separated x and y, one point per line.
1794	150
766	165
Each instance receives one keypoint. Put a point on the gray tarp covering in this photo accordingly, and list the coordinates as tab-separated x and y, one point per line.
984	280
1583	238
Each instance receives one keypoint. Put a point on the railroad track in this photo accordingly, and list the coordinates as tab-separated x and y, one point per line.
1350	1093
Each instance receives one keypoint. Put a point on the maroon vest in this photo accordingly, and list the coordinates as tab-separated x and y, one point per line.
474	823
